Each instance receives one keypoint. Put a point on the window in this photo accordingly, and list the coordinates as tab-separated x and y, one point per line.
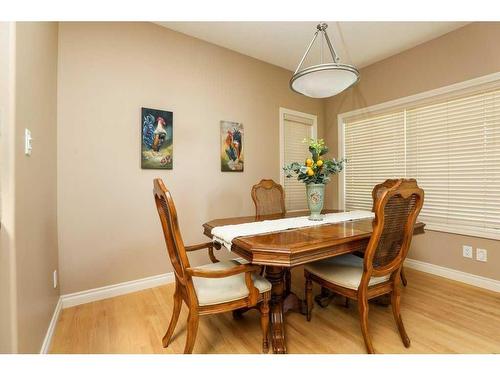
451	146
375	151
294	128
453	150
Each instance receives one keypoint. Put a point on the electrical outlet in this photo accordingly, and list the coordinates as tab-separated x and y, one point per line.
467	251
481	255
54	275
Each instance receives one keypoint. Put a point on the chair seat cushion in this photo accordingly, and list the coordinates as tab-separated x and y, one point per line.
226	289
343	270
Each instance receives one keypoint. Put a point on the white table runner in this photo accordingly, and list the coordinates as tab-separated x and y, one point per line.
226	233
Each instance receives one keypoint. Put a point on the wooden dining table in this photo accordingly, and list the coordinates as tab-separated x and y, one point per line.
289	248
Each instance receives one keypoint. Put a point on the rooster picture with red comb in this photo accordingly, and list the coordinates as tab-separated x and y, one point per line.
231	146
157	141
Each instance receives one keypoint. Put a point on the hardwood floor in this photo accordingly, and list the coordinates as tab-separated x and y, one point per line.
441	316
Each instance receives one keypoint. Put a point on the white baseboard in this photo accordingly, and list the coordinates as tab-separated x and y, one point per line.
109	291
464	277
52	326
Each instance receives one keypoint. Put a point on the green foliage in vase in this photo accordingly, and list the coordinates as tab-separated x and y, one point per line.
316	169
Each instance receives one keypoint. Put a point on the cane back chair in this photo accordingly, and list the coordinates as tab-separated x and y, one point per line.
397	205
212	288
269	199
374	196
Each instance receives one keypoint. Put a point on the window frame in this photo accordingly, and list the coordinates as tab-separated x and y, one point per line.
465	88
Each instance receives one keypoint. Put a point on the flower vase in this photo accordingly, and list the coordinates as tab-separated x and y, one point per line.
315	199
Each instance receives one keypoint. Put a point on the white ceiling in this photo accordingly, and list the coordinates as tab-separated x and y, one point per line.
283	43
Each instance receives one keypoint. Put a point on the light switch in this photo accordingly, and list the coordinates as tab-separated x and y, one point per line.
482	255
27	142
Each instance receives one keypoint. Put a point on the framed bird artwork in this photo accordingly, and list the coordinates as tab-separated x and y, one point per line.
157	139
231	153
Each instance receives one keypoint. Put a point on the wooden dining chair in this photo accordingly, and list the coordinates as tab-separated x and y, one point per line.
397	205
212	288
374	198
269	198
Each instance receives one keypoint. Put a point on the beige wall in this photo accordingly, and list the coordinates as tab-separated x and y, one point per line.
36	181
8	335
109	230
28	184
469	52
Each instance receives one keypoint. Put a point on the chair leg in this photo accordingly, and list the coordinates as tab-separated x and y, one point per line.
363	317
288	281
346	303
325	297
403	276
395	302
262	270
264	324
309	298
192	330
173	321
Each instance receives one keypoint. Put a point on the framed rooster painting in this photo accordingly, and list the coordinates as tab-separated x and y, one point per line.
231	157
157	139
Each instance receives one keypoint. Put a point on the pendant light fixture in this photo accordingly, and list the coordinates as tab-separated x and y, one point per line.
325	79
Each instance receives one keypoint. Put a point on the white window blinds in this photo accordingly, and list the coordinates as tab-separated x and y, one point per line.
451	147
453	150
296	129
375	151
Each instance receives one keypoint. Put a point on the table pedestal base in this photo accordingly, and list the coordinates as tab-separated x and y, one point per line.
276	276
281	303
293	303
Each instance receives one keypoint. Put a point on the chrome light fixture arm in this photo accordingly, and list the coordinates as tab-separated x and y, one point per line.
307	51
321	27
336	58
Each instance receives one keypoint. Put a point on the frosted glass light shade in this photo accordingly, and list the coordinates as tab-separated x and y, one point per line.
325	80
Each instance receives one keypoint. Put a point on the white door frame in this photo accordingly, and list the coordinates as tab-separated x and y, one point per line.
282	113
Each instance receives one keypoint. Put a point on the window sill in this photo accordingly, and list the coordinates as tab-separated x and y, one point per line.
470	232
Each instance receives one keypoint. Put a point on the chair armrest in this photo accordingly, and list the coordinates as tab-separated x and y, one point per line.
207	245
247	269
242	268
